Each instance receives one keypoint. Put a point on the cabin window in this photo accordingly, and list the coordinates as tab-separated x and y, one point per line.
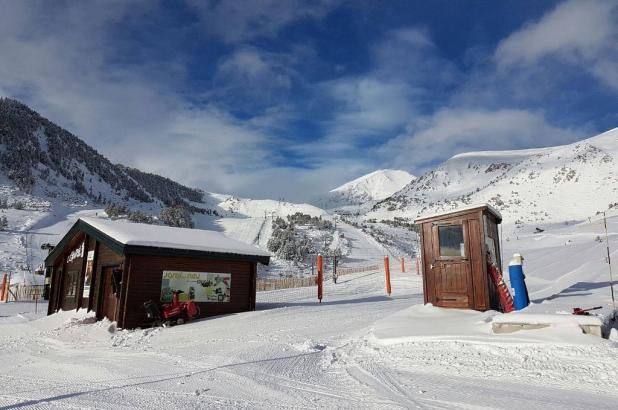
451	238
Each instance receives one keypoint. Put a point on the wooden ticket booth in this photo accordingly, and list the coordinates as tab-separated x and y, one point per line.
455	248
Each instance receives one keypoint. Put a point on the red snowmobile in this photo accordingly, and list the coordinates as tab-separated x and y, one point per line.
175	313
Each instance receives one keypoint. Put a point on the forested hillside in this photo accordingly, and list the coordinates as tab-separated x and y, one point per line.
40	157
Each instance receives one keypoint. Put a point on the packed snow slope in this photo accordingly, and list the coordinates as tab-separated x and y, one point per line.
570	182
374	186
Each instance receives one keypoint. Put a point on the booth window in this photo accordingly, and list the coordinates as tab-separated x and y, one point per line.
451	239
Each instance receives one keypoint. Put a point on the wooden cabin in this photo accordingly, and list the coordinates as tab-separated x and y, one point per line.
455	247
113	267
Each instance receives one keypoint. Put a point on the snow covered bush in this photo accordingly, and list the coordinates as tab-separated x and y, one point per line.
4	223
140	217
289	243
316	222
116	210
177	216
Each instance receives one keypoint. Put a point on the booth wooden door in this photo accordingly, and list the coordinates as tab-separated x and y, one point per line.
450	264
109	299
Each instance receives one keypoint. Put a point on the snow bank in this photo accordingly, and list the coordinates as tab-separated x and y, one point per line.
429	323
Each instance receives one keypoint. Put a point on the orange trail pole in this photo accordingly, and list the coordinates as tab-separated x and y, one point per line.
403	265
2	289
320	278
418	268
387	272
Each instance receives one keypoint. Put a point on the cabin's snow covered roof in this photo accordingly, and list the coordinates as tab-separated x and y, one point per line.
464	208
157	236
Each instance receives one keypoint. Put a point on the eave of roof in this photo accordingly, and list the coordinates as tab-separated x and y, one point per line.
491	209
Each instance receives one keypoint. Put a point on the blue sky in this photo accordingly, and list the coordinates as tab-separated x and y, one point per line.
291	98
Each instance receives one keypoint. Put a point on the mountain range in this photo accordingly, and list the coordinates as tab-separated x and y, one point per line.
555	184
546	185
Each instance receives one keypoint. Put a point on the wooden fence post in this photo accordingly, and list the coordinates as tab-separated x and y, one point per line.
403	265
3	288
387	272
418	267
320	277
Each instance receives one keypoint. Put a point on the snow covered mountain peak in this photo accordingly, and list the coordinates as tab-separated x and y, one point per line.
378	184
375	186
553	184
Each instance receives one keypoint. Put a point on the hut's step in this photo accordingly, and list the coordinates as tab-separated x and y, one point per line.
514	322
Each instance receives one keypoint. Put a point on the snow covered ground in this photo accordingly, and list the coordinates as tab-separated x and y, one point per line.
359	348
566	265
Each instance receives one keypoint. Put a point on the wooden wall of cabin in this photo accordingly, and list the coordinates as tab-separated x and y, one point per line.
69	275
104	258
145	277
67	287
477	261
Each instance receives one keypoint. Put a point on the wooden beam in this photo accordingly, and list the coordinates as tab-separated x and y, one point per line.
124	290
50	303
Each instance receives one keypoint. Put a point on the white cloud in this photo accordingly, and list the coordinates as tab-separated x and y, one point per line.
249	67
369	105
62	62
406	73
581	32
242	20
386	96
66	63
452	131
254	79
204	147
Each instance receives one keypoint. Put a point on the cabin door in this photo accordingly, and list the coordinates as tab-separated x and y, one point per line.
450	264
110	294
69	291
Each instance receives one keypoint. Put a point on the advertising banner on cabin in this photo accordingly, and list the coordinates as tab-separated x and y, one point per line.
88	274
196	286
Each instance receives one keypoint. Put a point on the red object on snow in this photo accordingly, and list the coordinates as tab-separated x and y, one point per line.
179	310
503	291
580	311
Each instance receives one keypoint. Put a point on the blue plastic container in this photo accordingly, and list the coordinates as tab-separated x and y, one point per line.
518	282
